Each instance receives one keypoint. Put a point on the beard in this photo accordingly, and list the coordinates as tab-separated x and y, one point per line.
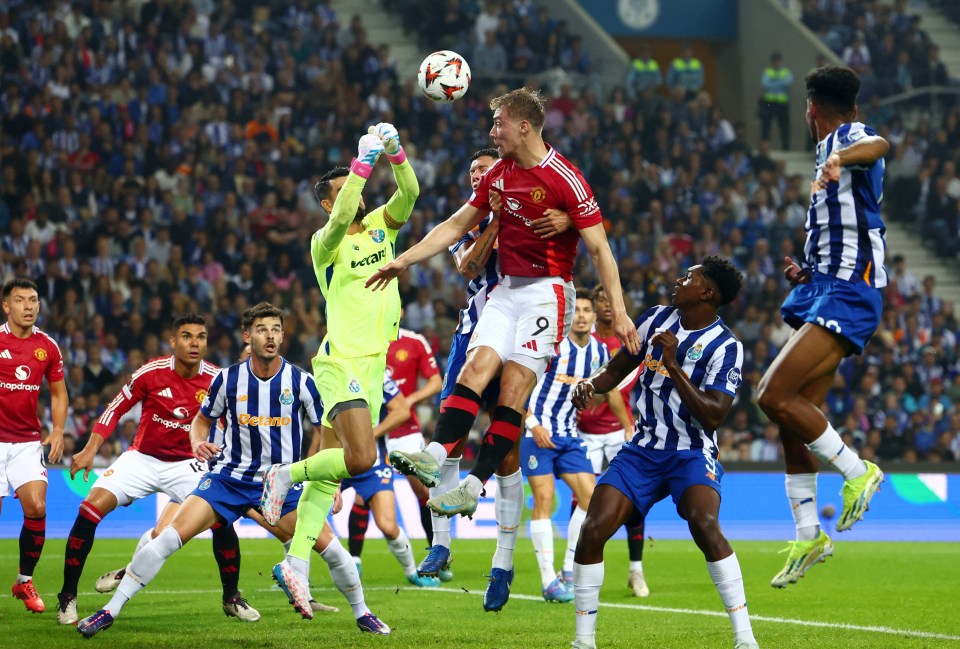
358	217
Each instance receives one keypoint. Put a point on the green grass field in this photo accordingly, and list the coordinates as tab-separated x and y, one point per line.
868	595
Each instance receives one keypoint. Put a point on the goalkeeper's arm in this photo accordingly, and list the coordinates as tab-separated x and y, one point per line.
327	239
400	205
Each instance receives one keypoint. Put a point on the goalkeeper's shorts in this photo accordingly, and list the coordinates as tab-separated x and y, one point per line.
340	380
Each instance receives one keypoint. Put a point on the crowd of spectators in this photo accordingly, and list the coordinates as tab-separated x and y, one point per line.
160	157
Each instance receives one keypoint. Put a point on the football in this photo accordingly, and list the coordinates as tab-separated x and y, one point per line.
444	76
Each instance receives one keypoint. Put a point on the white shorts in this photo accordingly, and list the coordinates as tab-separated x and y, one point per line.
20	463
525	319
604	445
412	443
134	475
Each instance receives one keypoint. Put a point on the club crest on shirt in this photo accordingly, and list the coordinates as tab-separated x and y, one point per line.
286	397
354	386
205	485
200	395
532	462
537	194
594	365
40	353
377	235
403	355
695	352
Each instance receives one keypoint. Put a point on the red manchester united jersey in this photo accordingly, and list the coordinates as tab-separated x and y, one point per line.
601	420
409	357
527	194
23	364
170	403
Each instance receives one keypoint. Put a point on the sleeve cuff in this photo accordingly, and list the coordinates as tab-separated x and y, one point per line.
399	158
362	169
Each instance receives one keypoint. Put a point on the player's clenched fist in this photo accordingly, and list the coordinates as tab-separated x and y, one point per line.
388	135
582	394
369	149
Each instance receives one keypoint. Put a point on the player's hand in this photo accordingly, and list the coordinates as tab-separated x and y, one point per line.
668	341
496	202
379	280
388	136
552	223
82	460
794	274
369	149
337	502
583	394
542	437
55	440
205	451
625	330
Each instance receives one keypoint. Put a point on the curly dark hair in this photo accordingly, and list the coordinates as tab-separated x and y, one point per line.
835	87
725	275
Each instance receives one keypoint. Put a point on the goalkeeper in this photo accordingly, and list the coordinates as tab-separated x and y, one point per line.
350	364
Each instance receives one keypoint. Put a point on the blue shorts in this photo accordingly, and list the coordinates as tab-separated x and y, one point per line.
455	362
570	456
372	482
850	310
231	498
647	476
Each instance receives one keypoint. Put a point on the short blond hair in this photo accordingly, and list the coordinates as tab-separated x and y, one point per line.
522	103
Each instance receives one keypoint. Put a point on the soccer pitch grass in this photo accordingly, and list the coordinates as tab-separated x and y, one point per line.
868	595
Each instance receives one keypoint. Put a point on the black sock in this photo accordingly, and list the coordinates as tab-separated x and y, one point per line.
357	528
498	441
226	550
79	544
33	534
635	541
457	414
426	519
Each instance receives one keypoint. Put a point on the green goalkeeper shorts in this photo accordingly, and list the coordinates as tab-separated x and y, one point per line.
341	380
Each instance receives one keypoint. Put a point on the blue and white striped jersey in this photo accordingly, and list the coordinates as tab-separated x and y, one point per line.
845	232
550	401
478	289
712	357
264	422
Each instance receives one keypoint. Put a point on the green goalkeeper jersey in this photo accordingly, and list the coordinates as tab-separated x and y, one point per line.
360	321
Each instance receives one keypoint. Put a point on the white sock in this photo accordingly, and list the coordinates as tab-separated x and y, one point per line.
541	533
587	580
508	509
573	535
438	452
22	579
802	494
284	479
831	449
449	479
473	485
146	538
302	566
144	567
343	573
728	579
401	549
636	566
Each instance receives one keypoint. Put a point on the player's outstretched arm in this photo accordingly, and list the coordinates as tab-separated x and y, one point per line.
200	427
58	413
595	239
437	240
605	379
400	205
864	152
709	407
327	239
398	412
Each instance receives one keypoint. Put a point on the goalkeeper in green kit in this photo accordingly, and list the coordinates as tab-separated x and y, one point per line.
350	364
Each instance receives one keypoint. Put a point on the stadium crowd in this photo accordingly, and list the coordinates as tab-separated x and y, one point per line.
163	161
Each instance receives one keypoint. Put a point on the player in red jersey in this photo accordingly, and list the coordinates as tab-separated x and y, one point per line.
170	390
531	310
26	356
604	434
409	358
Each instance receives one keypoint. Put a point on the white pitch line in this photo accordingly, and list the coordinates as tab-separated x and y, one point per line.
633	607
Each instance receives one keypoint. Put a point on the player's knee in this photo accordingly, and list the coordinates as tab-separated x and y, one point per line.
360	460
593	536
771	400
703	523
35	508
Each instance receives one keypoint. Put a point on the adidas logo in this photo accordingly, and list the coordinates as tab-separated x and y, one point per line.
6	354
498	184
532	344
166	392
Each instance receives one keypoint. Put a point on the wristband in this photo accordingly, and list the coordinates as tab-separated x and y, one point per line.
397	158
361	168
531	422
